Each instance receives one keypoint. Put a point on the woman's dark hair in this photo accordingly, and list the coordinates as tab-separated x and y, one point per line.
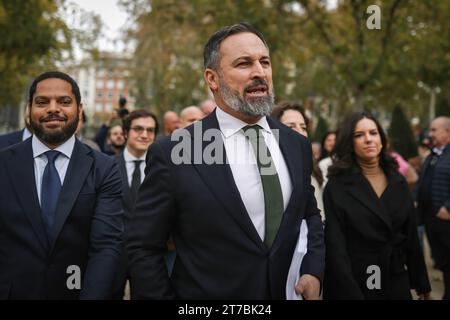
324	153
278	112
281	108
343	154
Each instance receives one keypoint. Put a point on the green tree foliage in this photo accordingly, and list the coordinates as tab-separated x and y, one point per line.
401	135
35	37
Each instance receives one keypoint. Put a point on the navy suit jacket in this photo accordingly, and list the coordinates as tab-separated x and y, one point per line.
87	232
10	139
127	200
219	252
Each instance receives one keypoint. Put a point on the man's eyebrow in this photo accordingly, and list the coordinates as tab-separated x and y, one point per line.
249	58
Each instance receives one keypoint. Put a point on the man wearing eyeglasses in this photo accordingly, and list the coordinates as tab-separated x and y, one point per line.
140	128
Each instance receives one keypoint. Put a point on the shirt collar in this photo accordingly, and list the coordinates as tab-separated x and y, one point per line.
229	125
129	157
40	148
26	134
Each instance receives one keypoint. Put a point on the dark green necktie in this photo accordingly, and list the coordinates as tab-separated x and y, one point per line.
273	197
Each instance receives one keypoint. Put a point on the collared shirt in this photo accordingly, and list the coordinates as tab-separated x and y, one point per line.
40	160
244	168
26	134
129	163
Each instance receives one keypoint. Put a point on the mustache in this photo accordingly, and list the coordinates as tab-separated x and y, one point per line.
52	117
257	83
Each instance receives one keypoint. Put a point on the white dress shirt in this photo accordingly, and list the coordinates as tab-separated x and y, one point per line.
40	160
26	134
129	163
242	161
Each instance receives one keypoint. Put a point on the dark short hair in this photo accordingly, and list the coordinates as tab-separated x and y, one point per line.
343	153
211	52
136	114
281	108
53	75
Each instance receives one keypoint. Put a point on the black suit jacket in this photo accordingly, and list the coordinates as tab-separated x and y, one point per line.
219	252
10	139
127	200
87	232
363	231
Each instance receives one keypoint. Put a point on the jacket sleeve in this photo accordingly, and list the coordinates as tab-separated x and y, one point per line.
339	282
106	238
314	261
150	226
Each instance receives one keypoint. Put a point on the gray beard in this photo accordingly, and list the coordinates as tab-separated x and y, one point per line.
257	107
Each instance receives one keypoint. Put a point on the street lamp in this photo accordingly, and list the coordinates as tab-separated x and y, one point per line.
433	92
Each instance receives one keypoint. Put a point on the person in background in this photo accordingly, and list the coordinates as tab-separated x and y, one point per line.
292	115
15	137
433	197
325	160
80	136
373	249
140	128
208	106
190	115
171	122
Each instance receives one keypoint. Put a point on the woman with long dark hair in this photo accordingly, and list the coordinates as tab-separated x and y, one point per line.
371	237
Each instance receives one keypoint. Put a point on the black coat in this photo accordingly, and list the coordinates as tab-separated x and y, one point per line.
219	252
363	230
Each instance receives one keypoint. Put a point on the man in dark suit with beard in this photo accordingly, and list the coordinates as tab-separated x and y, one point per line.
60	206
235	224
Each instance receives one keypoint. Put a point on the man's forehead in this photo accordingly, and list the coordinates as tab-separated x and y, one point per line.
55	87
241	45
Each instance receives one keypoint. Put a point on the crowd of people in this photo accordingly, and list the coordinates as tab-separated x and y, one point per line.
80	218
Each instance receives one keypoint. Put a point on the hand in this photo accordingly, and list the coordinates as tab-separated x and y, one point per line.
443	214
424	296
308	286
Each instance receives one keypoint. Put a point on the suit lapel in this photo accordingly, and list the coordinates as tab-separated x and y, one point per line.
125	186
362	191
21	168
219	179
78	169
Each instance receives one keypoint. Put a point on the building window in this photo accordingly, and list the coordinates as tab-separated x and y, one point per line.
110	84
98	107
120	84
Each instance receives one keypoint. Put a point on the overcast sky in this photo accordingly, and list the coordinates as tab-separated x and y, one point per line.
113	18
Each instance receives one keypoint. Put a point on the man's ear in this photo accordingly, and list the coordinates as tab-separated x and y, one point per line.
80	110
212	79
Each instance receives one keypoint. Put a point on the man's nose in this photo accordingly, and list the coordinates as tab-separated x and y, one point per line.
258	71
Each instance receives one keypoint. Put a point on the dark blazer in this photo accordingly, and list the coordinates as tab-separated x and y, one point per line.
10	139
438	230
219	252
127	201
87	232
362	230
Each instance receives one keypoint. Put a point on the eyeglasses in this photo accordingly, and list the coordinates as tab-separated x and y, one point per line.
140	130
